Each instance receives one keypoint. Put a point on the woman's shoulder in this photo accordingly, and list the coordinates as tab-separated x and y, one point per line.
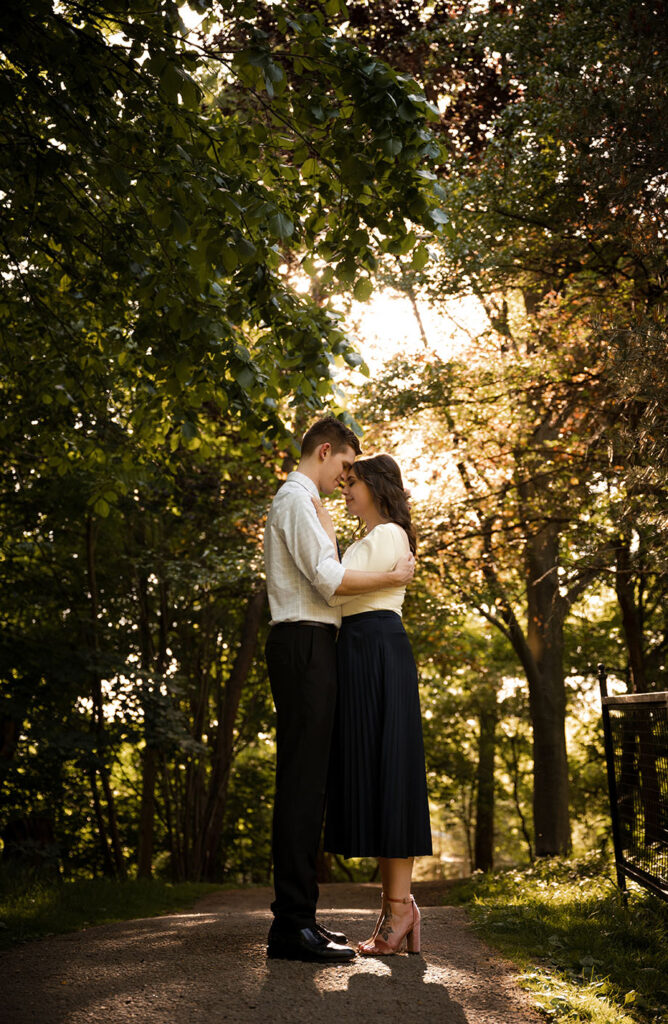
385	532
387	527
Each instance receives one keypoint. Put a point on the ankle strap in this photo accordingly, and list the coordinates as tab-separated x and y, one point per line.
405	899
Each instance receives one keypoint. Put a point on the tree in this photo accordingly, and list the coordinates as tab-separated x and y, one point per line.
507	514
146	229
551	183
153	352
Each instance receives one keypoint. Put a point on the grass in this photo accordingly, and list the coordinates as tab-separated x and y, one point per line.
40	909
583	955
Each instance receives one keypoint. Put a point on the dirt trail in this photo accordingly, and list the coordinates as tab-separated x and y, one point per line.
209	965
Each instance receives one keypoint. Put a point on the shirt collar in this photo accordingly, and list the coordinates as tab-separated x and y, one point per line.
304	481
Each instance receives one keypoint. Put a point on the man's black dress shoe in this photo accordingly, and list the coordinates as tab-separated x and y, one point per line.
337	937
307	944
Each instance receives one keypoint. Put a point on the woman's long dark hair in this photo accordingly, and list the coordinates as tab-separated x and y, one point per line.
383	478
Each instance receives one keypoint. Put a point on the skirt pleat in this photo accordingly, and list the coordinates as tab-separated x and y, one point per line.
377	802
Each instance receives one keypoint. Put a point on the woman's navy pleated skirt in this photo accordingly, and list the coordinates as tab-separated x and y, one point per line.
377	790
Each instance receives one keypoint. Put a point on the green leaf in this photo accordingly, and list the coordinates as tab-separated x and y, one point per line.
439	216
407	112
353	170
180	225
309	168
170	82
421	100
346	271
183	371
392	147
273	72
363	289
245	378
420	258
229	202
229	258
281	225
245	249
162	217
190	91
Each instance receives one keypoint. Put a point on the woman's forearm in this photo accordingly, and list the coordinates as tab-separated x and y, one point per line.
355	581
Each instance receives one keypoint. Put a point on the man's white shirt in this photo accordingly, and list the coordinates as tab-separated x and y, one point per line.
300	560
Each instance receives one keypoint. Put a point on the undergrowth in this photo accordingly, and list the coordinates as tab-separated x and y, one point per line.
582	953
40	908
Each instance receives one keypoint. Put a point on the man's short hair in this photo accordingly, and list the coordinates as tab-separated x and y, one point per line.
329	429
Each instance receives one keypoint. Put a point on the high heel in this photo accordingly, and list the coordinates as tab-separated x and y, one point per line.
381	916
382	945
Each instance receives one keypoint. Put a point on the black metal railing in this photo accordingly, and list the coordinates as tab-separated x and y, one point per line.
635	727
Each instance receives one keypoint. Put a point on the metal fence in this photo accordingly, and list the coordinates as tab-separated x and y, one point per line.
635	726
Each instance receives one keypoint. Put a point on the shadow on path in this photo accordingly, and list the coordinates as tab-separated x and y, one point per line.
209	965
397	988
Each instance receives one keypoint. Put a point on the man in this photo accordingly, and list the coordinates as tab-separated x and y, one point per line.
303	571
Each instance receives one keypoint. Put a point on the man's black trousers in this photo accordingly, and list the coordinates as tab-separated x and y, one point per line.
302	671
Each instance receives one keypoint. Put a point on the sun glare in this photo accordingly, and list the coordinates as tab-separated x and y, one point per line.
389	325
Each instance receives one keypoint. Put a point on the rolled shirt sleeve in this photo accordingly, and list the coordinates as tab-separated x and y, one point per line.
301	565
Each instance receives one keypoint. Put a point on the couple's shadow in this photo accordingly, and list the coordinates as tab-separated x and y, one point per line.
366	989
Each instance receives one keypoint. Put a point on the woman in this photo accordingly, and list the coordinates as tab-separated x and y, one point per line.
377	792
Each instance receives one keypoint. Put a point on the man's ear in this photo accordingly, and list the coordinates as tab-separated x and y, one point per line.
325	449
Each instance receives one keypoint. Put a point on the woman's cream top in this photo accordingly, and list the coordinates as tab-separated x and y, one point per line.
378	551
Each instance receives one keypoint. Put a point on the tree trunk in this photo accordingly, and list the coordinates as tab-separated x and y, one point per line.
151	660
10	733
196	798
149	754
119	860
547	694
97	722
149	762
466	816
632	623
540	651
484	818
171	820
223	752
107	861
633	626
541	654
515	775
410	292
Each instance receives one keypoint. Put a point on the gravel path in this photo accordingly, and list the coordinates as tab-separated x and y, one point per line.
209	965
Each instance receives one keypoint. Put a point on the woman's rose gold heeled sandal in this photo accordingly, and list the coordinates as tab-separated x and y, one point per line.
386	940
381	917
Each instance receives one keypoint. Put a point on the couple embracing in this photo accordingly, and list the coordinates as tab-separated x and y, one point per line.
344	683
